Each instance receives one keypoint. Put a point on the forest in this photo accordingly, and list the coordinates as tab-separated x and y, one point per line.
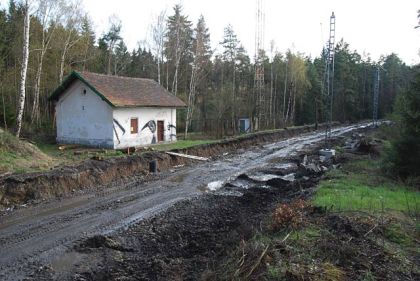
218	87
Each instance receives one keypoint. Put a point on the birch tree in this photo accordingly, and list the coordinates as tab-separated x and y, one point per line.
73	25
49	14
298	85
24	68
158	31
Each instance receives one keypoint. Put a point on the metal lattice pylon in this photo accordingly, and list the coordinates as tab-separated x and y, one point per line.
328	83
259	64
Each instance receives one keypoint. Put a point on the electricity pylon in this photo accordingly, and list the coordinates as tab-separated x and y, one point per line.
259	64
328	83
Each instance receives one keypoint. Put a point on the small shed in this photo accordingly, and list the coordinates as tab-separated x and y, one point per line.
114	112
244	125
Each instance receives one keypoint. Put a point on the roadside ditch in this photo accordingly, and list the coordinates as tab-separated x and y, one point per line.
20	189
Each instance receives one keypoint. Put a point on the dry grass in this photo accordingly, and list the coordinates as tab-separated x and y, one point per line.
20	156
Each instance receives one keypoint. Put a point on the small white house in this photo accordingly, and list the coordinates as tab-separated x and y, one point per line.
114	112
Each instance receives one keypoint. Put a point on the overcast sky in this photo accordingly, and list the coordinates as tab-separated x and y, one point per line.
372	27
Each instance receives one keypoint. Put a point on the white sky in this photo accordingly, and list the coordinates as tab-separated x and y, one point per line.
373	27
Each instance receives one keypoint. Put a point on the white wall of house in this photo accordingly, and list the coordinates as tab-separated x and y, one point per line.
144	114
84	118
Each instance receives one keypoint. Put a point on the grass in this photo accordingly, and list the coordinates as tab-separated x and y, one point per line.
181	144
396	233
74	153
359	185
20	156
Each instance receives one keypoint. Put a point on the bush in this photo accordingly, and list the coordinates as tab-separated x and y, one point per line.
288	215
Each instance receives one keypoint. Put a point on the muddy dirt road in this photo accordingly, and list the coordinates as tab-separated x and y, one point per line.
35	236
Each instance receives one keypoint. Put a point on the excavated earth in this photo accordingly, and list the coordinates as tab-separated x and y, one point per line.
111	220
21	189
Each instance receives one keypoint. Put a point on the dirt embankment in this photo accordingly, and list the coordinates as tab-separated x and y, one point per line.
186	241
33	187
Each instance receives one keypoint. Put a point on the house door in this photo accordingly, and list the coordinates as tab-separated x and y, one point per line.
160	130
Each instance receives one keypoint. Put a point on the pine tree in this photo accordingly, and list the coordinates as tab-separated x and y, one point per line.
178	45
403	157
202	54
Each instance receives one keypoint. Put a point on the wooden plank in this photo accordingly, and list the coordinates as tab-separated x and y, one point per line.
188	156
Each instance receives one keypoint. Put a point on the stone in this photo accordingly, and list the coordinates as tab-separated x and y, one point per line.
327	153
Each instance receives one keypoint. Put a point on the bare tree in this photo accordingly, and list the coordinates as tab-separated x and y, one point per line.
112	38
158	30
49	14
72	23
24	68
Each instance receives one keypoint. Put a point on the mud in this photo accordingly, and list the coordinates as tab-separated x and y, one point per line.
171	222
186	241
21	189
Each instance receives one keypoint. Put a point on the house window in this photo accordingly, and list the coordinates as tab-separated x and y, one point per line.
134	125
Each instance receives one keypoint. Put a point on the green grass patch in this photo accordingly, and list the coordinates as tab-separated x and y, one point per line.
359	185
181	144
397	234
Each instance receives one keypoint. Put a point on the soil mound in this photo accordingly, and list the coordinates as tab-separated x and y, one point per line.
18	154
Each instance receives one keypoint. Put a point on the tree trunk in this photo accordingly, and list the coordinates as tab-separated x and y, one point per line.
167	76
292	115
284	94
234	100
63	56
35	105
108	68
175	81
158	70
271	93
23	72
4	108
191	98
62	61
288	109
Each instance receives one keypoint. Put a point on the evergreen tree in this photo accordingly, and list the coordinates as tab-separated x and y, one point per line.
201	60
177	45
403	158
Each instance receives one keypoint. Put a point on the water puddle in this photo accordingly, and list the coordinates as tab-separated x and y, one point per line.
263	177
288	177
285	166
215	185
234	193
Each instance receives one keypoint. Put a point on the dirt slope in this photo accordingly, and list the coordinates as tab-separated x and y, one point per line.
92	174
20	155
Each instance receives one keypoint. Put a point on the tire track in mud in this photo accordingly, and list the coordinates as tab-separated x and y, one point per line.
28	239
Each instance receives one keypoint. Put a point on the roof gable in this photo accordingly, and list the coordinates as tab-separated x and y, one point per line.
120	91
